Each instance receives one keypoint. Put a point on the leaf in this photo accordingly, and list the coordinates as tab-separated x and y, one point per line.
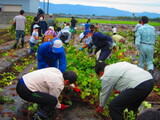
84	83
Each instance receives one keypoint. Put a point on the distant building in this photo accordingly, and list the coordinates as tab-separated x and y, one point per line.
30	6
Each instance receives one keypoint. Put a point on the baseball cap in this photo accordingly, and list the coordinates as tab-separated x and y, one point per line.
71	76
35	26
57	46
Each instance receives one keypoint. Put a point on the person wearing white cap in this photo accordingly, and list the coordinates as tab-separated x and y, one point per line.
65	34
34	38
52	54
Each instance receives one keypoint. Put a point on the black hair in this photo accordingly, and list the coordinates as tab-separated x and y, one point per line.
144	19
92	26
139	21
58	29
67	24
71	76
149	114
100	65
36	19
21	12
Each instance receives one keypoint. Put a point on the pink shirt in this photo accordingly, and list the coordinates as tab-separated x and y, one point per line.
47	80
50	32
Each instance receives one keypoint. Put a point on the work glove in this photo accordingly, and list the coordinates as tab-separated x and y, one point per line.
99	109
78	91
80	49
116	92
63	107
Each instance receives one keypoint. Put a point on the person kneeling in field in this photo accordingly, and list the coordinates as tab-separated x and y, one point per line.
44	87
133	83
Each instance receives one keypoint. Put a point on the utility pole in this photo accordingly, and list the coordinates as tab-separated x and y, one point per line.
48	7
132	18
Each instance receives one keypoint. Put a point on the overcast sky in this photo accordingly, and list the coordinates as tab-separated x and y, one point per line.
127	5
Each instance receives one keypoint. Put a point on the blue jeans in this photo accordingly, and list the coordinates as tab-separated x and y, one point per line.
20	33
31	47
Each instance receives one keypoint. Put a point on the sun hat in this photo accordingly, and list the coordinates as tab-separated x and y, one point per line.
35	26
51	27
57	46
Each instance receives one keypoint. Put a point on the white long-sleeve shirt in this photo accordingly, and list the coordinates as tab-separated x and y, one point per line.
121	76
47	80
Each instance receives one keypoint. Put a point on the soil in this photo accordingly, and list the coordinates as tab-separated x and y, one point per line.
79	110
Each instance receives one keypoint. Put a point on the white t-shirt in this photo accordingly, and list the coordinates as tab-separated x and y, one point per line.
32	39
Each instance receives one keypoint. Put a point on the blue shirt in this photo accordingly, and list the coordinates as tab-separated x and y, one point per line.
47	58
87	26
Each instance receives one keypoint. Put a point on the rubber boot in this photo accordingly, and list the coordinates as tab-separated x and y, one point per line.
15	46
22	44
151	72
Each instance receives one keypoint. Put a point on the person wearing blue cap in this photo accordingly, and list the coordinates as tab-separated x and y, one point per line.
103	43
145	41
87	37
52	54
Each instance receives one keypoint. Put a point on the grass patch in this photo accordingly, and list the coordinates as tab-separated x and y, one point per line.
106	21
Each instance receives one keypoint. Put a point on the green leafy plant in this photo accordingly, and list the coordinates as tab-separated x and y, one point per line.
129	115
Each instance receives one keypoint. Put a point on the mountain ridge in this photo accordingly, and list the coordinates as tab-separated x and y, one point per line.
90	10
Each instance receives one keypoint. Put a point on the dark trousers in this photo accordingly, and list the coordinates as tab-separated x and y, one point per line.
46	102
104	54
130	98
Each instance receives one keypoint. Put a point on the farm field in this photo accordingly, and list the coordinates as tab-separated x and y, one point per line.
102	21
15	63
